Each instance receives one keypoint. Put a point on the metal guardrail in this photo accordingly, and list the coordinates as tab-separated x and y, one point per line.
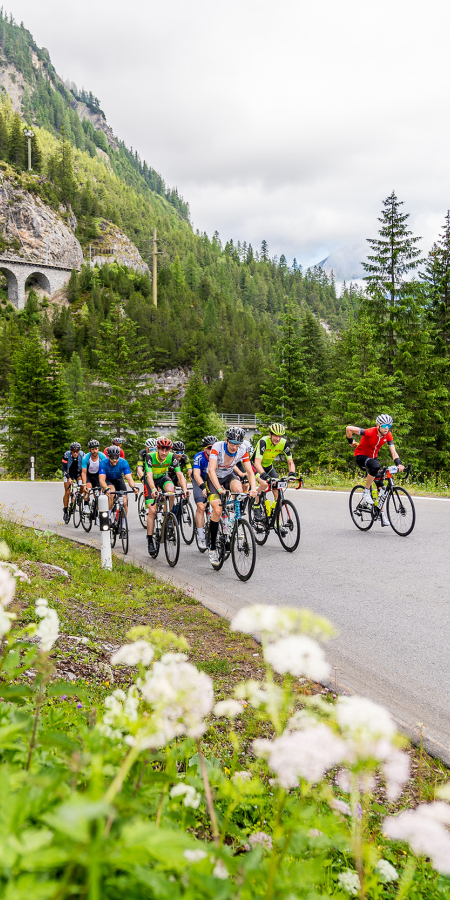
229	418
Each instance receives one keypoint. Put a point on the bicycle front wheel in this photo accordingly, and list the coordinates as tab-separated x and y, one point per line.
86	517
112	530
171	539
362	515
187	522
401	511
142	511
77	512
288	526
243	550
123	531
261	526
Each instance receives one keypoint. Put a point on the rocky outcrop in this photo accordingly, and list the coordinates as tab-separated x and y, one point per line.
33	231
113	244
98	120
13	83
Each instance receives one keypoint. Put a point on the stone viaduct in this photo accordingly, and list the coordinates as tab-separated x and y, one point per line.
50	277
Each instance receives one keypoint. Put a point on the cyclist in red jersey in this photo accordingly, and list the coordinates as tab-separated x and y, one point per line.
366	452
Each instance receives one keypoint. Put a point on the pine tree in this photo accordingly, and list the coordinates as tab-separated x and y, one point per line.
123	397
16	145
75	378
4	138
264	252
195	410
392	299
36	154
436	278
73	288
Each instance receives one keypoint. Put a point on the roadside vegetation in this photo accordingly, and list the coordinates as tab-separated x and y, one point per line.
268	786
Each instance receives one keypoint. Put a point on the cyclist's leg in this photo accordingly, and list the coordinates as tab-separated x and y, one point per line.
200	501
67	484
216	510
112	490
150	505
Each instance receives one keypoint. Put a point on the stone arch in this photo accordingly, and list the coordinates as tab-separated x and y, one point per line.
13	285
42	280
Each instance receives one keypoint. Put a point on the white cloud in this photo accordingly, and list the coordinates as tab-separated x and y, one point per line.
289	122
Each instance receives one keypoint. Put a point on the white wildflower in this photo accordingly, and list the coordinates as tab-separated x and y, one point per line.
274	622
314	832
228	708
349	881
386	871
298	655
5	621
173	657
423	829
264	840
302	718
48	628
443	791
132	654
365	781
194	856
270	696
396	770
364	718
191	797
241	776
4	550
181	697
340	806
220	870
304	754
7	586
121	714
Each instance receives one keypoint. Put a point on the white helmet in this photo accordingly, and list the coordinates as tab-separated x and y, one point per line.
150	444
385	421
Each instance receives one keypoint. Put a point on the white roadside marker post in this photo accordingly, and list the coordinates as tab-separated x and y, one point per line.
103	515
32	468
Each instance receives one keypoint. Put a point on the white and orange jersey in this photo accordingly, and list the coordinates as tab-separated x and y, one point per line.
227	461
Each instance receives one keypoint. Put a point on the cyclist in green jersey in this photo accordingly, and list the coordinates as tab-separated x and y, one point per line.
265	453
157	463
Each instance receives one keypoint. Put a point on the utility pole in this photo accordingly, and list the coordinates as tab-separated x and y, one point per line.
155	270
29	134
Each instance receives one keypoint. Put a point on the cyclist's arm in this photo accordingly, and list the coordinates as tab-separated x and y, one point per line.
396	457
149	480
139	470
250	475
197	472
290	461
84	475
128	476
212	474
350	431
102	480
182	481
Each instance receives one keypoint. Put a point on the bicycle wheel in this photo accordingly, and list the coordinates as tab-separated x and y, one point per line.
362	515
112	528
187	522
86	516
260	527
123	531
77	511
171	539
401	512
142	511
220	548
288	526
243	550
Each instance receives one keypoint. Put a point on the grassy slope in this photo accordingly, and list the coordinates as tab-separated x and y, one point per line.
102	606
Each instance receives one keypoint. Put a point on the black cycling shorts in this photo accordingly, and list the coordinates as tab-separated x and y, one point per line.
93	479
371	466
117	483
269	472
197	492
224	482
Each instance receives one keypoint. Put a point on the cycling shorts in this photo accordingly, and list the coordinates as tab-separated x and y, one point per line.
161	482
224	482
269	472
117	483
197	492
372	466
93	479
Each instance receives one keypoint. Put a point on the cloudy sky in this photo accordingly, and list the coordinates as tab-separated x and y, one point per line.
288	121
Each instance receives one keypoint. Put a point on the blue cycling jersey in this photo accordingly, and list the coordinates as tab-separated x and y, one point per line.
201	462
114	472
87	457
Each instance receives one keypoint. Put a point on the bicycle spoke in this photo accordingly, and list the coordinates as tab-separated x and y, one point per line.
361	514
401	511
243	550
288	526
171	539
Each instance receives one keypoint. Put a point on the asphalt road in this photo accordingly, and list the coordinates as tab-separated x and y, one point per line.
389	597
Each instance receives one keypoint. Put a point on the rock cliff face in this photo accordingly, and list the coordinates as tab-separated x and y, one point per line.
98	120
114	245
33	231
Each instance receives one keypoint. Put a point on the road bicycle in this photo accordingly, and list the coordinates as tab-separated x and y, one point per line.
75	504
89	511
281	517
185	518
118	523
166	528
235	537
207	521
142	510
394	499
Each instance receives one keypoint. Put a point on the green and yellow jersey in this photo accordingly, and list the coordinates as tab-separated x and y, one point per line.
268	452
153	464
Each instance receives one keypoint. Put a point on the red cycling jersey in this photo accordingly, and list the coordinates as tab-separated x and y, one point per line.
371	442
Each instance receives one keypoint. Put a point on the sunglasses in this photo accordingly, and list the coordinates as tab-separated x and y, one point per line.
233	443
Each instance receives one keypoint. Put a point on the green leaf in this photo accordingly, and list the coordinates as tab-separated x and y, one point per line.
15	691
73	818
58	739
163	844
66	687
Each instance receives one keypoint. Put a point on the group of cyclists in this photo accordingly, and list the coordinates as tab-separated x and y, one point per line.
232	464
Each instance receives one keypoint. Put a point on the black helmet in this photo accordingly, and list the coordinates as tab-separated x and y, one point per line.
113	452
117	440
75	446
235	434
93	444
209	440
179	447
